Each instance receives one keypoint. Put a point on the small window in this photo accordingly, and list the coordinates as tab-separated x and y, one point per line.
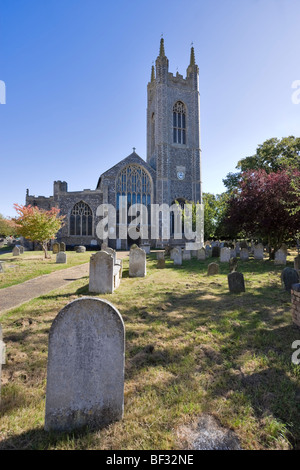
179	123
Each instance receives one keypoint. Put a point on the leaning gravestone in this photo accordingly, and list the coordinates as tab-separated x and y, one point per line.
212	269
225	255
61	257
236	282
55	248
137	262
289	276
2	356
16	251
85	372
258	251
101	273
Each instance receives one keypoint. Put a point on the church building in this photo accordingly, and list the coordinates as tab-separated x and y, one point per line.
171	172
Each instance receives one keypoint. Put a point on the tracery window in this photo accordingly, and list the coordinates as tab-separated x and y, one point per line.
179	123
134	183
81	220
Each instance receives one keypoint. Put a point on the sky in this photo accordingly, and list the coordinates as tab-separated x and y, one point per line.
76	74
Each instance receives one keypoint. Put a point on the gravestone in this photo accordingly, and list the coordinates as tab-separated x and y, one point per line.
172	253
61	257
280	257
55	248
2	356
258	251
112	252
21	248
16	251
62	246
186	255
137	262
160	255
289	276
201	254
236	282
225	255
244	254
212	269
101	273
80	249
85	372
297	263
215	251
177	256
161	260
146	247
1	266
233	264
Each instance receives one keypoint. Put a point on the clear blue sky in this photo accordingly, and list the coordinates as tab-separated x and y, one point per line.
76	73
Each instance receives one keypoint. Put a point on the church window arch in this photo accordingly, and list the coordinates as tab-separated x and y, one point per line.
179	123
81	220
135	184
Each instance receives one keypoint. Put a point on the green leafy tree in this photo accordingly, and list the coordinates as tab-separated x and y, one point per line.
6	227
37	225
215	207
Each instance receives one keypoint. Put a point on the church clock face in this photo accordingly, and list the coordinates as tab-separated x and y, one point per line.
180	175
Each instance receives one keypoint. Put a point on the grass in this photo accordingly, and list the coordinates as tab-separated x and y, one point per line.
31	264
191	348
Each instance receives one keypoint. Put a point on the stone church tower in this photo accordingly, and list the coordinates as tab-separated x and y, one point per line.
173	131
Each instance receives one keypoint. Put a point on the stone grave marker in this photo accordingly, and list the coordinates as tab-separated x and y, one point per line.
85	371
137	262
161	259
258	251
244	254
236	282
225	255
289	276
55	248
61	258
80	249
201	254
280	257
101	273
1	266
215	251
177	256
212	269
186	255
233	264
62	246
16	251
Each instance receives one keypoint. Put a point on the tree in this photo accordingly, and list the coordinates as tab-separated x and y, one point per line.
214	209
6	227
272	156
37	225
264	207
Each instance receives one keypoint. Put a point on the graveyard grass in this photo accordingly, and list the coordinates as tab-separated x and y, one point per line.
31	264
191	348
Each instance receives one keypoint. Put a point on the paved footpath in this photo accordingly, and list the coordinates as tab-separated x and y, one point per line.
14	296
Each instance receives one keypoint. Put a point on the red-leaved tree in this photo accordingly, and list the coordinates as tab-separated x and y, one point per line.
263	207
38	225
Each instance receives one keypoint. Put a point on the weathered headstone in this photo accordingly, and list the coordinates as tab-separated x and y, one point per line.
161	264
55	248
177	256
101	273
280	257
80	249
111	252
16	251
85	372
160	255
258	251
146	247
61	257
212	269
137	262
215	251
186	255
201	254
225	255
2	356
244	254
289	276
236	282
62	246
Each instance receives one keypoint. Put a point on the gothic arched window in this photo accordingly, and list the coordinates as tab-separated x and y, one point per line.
81	220
134	183
179	123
